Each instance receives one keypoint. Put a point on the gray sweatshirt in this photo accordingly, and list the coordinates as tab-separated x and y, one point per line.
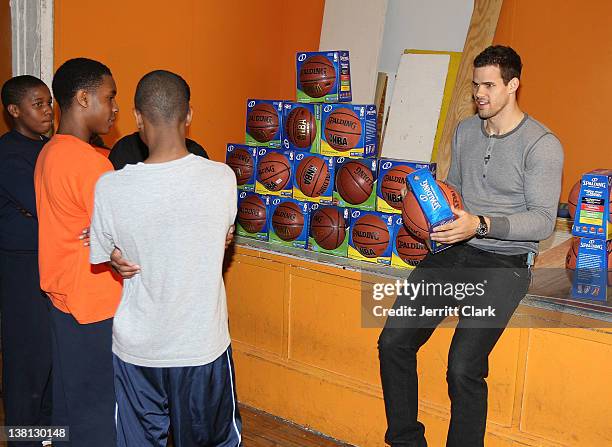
514	178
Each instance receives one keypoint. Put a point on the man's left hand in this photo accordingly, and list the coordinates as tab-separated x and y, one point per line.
461	229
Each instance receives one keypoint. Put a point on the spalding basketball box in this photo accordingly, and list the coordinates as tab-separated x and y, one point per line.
329	229
349	130
273	172
323	76
408	250
355	183
264	121
289	222
593	216
313	178
252	219
392	179
370	236
242	159
301	129
590	279
432	201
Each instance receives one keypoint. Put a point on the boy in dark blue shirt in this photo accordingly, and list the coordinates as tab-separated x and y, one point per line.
26	346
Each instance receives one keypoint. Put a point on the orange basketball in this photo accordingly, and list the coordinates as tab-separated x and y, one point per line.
409	248
392	184
288	221
370	236
328	227
414	219
317	76
354	182
262	122
312	176
301	127
252	213
274	171
241	162
342	129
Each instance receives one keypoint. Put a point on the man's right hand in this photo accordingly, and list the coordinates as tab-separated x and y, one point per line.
122	266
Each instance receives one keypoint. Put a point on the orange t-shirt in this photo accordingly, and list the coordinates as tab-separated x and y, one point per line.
65	178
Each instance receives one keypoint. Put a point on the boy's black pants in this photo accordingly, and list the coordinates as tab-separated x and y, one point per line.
26	342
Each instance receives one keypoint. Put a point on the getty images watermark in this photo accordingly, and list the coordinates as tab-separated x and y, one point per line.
410	291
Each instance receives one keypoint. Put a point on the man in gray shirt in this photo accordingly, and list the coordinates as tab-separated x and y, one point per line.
170	215
507	168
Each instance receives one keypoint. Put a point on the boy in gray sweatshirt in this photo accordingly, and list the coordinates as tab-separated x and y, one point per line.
507	168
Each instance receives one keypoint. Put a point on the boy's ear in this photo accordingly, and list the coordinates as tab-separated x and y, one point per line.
138	118
189	117
13	110
82	97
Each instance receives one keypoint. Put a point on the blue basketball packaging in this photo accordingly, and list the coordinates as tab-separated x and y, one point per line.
319	228
247	219
301	129
590	279
592	217
367	237
264	121
310	176
287	227
349	130
393	170
267	177
323	76
239	157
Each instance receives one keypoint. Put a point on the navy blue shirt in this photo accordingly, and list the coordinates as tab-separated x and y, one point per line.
18	222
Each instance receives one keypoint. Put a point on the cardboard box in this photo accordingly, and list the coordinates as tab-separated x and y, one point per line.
403	243
388	193
315	174
271	172
323	76
301	129
289	220
249	219
370	237
360	174
593	213
590	279
349	130
323	228
243	161
264	121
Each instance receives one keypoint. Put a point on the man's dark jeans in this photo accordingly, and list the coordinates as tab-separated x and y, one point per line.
505	280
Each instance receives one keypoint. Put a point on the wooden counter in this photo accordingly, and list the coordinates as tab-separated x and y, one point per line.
302	353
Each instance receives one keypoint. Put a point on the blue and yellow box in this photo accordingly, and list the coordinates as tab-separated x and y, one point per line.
264	121
301	127
593	216
590	280
243	161
253	217
289	219
313	178
273	173
349	130
323	76
370	237
329	229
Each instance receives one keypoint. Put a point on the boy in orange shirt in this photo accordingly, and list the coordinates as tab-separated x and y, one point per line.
84	298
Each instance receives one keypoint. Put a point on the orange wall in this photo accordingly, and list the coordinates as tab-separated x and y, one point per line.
566	47
6	64
227	52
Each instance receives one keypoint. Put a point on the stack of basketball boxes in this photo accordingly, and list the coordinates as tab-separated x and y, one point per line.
590	255
309	176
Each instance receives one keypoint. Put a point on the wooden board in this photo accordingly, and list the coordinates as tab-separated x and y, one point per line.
356	26
480	35
415	106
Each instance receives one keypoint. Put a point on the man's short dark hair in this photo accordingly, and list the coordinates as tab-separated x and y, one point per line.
162	96
74	75
15	89
508	61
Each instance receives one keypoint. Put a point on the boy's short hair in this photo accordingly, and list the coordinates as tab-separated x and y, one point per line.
162	96
15	89
74	75
508	61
